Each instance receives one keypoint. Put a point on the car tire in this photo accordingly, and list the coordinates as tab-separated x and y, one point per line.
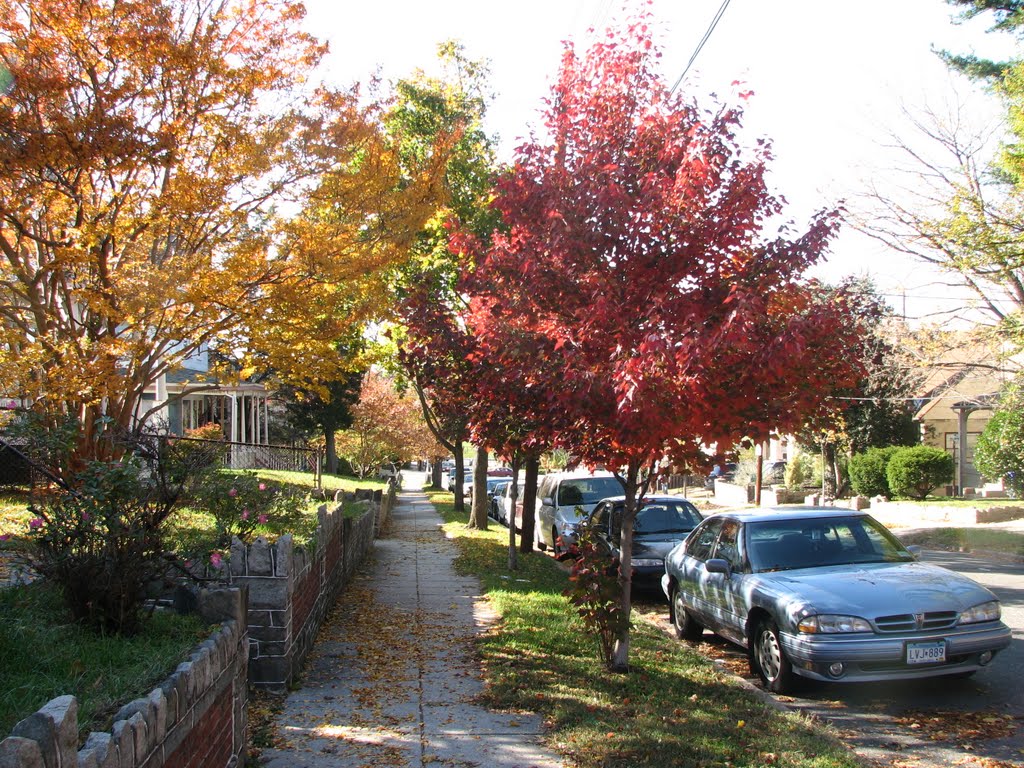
686	627
768	660
538	540
559	552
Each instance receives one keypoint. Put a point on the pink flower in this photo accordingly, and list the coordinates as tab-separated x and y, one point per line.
4	536
216	559
245	514
35	522
263	486
85	517
233	492
262	519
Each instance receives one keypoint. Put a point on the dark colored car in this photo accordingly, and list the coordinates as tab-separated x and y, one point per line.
828	594
661	523
724	472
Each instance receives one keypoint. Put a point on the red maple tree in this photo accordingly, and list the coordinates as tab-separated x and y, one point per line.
636	257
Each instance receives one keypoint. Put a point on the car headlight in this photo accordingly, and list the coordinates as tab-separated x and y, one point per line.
648	562
831	624
985	612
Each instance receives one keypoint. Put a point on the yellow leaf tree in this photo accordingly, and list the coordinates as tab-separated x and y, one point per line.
146	150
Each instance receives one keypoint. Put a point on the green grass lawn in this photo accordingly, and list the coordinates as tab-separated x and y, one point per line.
44	656
675	708
996	541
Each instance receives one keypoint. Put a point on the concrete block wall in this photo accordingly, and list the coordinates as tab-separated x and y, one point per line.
196	717
292	589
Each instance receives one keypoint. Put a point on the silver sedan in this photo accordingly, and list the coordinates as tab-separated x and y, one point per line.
828	594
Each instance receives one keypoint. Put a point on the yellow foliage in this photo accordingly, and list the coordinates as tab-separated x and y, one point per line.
147	150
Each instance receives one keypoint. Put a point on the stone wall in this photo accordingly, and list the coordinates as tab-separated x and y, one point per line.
292	589
196	717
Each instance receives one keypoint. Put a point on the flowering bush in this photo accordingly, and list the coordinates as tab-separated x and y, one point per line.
242	506
101	542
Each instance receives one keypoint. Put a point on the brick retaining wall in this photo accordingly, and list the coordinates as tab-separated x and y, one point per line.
196	717
291	590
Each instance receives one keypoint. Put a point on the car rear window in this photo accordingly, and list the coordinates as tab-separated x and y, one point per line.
587	490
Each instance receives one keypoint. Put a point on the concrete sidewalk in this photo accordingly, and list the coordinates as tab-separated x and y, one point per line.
393	676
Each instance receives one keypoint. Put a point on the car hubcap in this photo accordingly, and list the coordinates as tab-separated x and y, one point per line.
769	655
680	611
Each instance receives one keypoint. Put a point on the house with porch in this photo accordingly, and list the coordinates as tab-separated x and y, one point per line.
956	402
187	398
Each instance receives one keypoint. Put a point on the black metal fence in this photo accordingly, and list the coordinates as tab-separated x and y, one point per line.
234	455
21	469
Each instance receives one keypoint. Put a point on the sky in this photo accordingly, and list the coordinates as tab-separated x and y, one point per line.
832	82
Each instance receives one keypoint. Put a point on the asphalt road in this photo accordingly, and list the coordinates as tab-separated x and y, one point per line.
973	723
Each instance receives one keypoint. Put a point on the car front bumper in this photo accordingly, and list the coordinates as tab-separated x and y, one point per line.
880	657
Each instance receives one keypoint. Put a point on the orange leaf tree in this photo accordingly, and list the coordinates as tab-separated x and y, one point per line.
637	253
145	148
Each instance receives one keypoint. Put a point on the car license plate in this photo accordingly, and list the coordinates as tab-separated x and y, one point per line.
926	653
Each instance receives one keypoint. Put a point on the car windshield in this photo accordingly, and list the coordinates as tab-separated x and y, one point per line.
587	490
815	542
665	517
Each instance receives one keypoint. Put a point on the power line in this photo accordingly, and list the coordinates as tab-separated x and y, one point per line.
700	45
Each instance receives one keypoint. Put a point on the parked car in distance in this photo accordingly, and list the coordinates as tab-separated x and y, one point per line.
724	472
773	472
495	494
661	523
501	503
467	491
830	595
562	499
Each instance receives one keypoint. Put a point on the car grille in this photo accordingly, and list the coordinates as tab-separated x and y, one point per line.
917	622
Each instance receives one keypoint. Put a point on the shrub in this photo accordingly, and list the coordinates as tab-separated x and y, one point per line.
798	469
595	591
101	542
203	450
242	506
915	471
868	471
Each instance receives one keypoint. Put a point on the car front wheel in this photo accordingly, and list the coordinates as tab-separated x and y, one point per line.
539	540
768	660
686	627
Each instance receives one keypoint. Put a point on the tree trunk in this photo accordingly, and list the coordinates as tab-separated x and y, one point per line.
478	515
513	493
759	476
829	480
620	652
532	472
459	481
331	452
435	472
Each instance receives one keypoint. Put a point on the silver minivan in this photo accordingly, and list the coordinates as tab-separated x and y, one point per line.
563	498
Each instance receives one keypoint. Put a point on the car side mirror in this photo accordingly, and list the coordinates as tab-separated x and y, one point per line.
547	502
915	550
718	565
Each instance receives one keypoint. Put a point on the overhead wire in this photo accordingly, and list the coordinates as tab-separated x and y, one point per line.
703	41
